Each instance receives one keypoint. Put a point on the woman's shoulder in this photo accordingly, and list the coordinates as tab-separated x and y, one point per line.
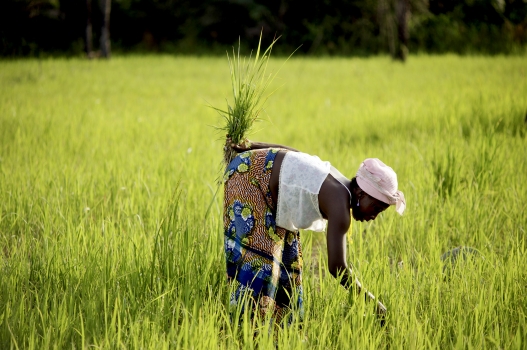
333	198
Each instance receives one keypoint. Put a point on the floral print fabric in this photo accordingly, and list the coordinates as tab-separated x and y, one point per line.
263	260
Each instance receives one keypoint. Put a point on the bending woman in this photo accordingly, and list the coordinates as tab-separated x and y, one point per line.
272	191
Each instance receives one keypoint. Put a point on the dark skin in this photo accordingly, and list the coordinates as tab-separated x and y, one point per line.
337	208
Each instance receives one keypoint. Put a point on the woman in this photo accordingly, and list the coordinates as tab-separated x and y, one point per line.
272	191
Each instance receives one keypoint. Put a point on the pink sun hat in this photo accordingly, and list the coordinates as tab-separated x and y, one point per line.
380	181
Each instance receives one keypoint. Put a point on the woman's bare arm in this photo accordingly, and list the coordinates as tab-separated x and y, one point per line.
259	145
249	145
333	204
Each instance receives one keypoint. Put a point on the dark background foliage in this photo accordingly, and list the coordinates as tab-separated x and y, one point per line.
323	27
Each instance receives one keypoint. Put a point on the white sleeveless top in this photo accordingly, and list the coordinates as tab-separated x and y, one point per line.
301	176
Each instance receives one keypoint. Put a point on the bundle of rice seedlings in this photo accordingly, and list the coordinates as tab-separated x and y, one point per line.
250	80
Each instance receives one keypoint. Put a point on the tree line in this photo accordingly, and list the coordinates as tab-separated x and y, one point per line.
318	27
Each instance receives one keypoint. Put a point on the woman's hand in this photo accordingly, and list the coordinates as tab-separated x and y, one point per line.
243	146
380	309
381	313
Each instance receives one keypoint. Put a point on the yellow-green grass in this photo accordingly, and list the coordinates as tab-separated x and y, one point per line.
111	236
250	81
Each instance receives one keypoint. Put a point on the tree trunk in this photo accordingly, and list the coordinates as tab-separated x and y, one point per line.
387	24
88	31
105	30
401	14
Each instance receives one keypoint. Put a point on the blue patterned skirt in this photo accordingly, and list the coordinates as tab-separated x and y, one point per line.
264	261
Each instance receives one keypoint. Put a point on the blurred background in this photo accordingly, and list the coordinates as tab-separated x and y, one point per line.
319	27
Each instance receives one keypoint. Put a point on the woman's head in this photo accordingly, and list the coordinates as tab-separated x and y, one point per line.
365	207
375	189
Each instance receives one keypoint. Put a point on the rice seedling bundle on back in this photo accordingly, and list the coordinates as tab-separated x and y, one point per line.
250	80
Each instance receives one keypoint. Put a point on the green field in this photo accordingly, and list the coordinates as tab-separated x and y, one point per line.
111	236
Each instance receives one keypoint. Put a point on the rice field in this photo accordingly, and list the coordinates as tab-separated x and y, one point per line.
110	206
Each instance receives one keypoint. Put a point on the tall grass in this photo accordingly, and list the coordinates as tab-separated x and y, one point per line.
107	170
249	82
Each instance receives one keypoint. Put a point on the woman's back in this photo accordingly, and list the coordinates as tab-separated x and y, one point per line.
300	179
